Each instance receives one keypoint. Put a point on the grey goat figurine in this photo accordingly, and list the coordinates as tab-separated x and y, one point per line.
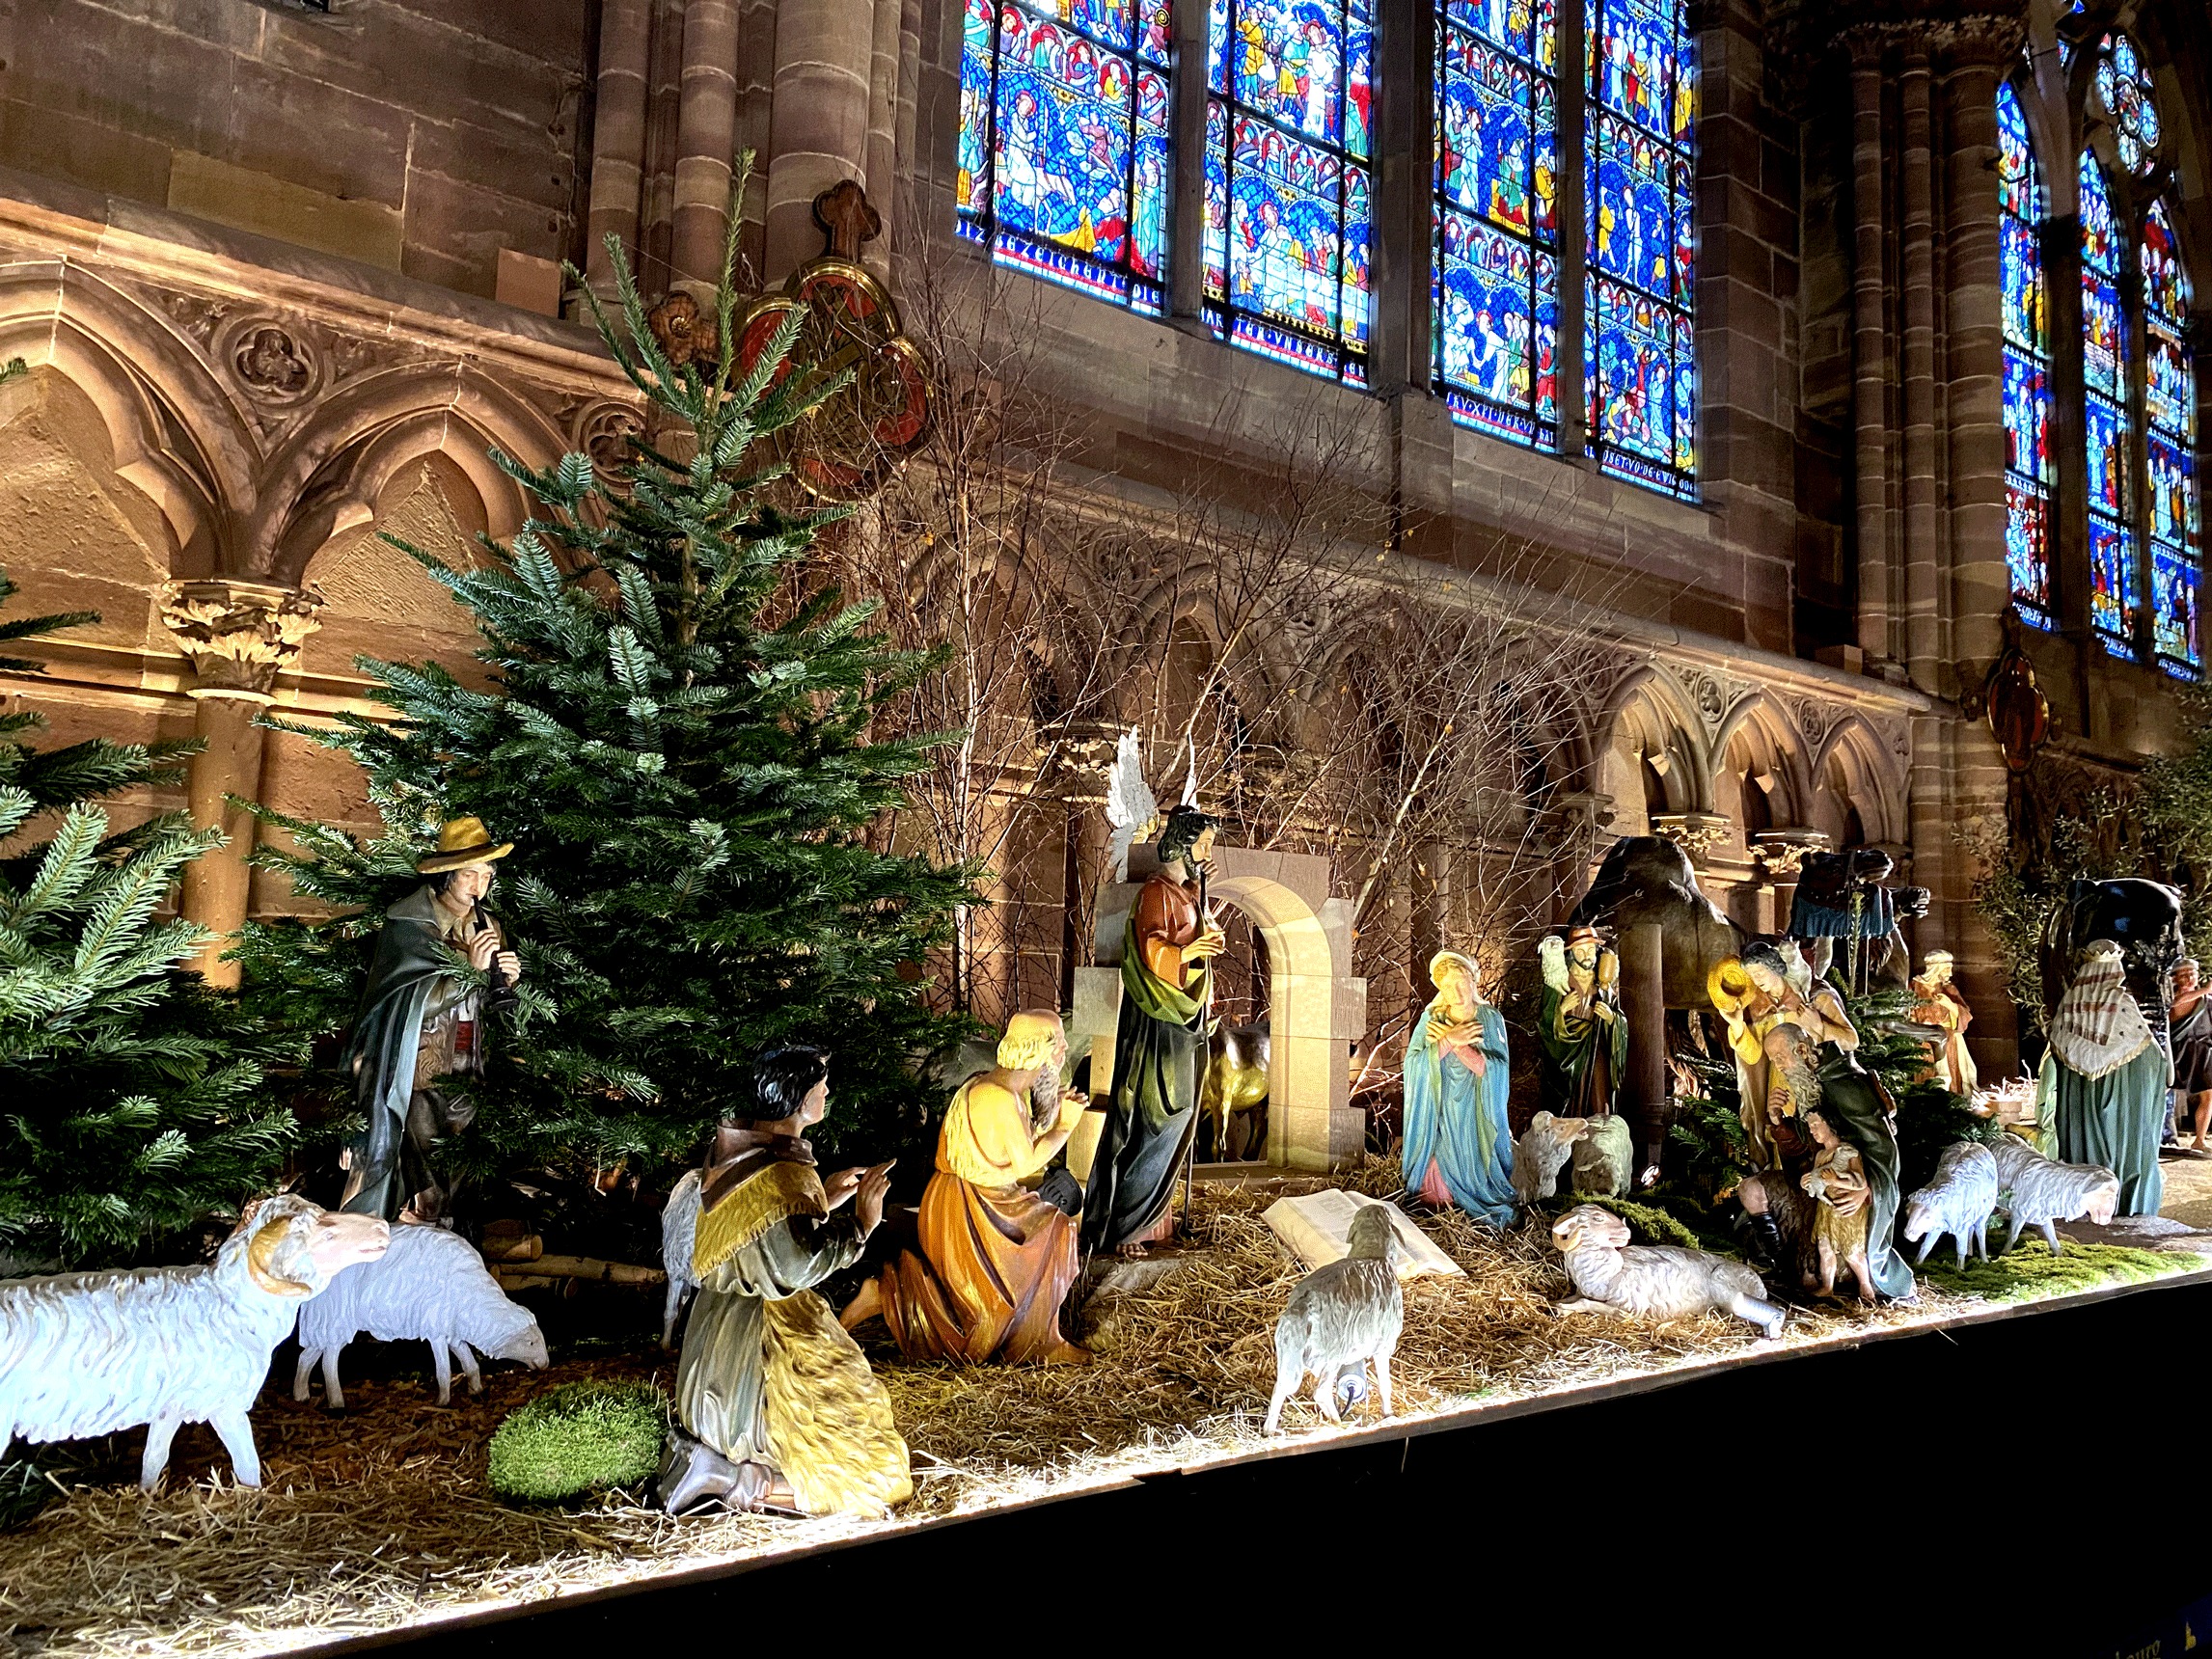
1339	1318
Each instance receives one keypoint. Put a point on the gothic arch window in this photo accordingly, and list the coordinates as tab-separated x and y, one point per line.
2028	469
1495	218
2170	414
2114	592
1640	348
1289	125
1063	166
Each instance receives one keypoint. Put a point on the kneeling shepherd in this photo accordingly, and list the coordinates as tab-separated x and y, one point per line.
775	1407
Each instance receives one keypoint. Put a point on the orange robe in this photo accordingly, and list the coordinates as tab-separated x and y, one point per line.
996	1261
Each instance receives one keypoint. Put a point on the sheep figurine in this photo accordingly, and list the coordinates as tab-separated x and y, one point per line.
1957	1202
90	1353
1605	1155
2036	1192
679	1226
431	1285
1339	1318
1653	1281
1542	1153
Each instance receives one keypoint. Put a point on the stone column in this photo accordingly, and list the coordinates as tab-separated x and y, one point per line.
1402	180
706	143
818	125
1870	342
619	135
1643	996
1186	153
1568	371
664	122
1916	272
1981	583
240	636
880	174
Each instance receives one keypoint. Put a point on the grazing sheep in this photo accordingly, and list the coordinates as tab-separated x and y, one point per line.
2036	1192
1653	1281
1339	1318
90	1353
1542	1153
1957	1202
431	1285
1606	1156
679	1226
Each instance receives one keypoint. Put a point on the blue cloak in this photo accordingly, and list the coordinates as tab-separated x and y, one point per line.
1457	1120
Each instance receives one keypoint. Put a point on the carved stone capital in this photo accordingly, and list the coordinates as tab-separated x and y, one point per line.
239	635
1784	851
1695	832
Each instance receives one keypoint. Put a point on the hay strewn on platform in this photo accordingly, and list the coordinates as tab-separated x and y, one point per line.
382	1516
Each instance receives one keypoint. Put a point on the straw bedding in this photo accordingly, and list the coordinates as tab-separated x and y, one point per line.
381	1515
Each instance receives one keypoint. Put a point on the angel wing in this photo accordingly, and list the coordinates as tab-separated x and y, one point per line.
1552	952
1130	806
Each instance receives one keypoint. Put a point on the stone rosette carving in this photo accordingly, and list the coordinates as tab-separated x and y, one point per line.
239	635
271	360
603	431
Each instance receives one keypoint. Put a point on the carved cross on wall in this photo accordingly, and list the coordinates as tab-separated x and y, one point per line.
846	219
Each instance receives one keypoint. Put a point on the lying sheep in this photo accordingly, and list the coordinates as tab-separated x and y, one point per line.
2035	1192
1653	1281
431	1285
1542	1153
1339	1318
90	1353
679	1226
1957	1202
1605	1155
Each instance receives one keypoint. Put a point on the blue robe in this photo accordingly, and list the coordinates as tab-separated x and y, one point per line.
1457	1120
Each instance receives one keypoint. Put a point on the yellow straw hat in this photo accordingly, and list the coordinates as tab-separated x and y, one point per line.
462	841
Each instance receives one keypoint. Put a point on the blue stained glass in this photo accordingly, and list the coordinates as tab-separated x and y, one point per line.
1640	363
1287	194
2028	465
1063	143
2021	272
2164	287
2027	418
2169	384
1495	281
2027	548
2104	337
2175	582
2124	89
2100	231
2172	492
2113	598
2169	402
2018	194
2106	440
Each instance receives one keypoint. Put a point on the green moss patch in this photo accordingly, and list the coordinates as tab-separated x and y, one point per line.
2031	1272
579	1438
1646	1225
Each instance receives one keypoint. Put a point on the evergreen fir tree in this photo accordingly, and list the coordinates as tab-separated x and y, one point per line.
132	1098
676	736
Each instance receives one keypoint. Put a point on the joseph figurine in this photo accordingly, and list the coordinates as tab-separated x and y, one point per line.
423	1022
1159	1044
775	1407
1580	1028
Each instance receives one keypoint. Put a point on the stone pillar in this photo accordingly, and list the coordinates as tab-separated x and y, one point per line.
1981	583
1644	998
239	636
619	135
1916	262
818	125
1187	204
880	176
1870	342
664	122
1569	368
1404	180
706	143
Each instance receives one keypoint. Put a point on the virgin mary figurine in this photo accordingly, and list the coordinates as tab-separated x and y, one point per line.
1458	1146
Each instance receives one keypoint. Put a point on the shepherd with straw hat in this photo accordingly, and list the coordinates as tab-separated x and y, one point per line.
423	1022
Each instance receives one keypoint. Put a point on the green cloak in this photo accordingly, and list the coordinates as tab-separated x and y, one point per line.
1158	1042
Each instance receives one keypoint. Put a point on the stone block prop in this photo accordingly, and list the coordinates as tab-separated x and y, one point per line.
1315	1008
1317	1228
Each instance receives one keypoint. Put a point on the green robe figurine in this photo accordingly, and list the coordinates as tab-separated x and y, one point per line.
2101	1098
1580	1025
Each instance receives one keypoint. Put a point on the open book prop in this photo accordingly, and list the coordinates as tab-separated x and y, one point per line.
1317	1228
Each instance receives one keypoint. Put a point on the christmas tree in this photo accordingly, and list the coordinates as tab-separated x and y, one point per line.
677	738
134	1103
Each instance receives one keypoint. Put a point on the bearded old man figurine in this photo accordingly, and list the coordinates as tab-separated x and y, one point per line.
996	1259
1584	1037
1937	1002
2101	1096
1159	1043
775	1407
423	1022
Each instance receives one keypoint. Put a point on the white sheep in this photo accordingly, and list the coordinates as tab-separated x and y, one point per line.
1957	1201
1653	1281
1542	1153
2039	1193
1340	1318
90	1353
679	1226
1605	1155
431	1285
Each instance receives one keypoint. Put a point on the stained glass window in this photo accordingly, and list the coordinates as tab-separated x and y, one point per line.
1495	219
1640	349
2123	87
2113	589
2028	469
1288	141
2177	537
1063	142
